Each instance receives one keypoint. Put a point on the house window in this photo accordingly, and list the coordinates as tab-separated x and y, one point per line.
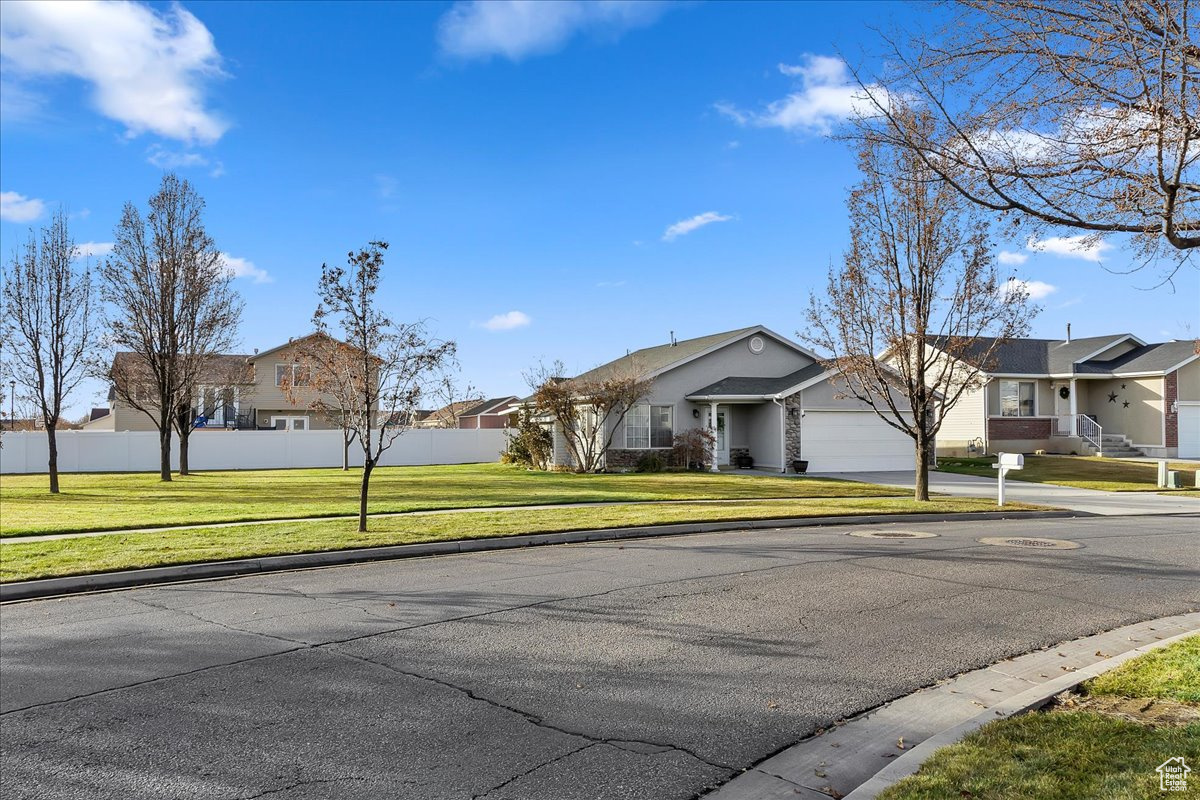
290	373
648	426
1017	398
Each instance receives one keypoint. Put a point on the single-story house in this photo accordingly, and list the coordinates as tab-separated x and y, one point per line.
1113	394
495	412
765	396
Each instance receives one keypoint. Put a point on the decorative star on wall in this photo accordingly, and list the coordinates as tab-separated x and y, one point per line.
1112	397
1125	404
1122	386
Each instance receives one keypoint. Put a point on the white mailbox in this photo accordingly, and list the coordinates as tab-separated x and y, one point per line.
1012	461
1006	462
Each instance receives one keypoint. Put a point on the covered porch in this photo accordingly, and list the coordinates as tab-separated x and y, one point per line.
749	431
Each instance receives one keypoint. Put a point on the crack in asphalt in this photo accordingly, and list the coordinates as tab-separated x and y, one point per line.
532	770
298	784
532	718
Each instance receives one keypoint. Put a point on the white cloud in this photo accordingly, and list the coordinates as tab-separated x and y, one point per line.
1085	247
686	226
507	321
516	29
825	95
93	249
242	268
1007	257
166	159
1037	290
16	207
147	68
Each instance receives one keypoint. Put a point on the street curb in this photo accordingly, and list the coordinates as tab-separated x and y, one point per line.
1030	700
125	579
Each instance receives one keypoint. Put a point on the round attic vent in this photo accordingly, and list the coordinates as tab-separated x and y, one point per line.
757	344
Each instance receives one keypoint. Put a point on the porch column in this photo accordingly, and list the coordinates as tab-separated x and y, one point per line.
712	425
1074	411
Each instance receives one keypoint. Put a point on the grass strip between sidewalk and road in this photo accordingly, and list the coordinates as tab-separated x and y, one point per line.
28	560
1080	754
1081	472
114	501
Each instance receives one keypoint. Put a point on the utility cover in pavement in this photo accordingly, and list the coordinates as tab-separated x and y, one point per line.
1040	544
893	534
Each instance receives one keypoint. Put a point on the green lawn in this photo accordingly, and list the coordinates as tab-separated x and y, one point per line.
1083	472
1171	673
41	559
112	501
1073	755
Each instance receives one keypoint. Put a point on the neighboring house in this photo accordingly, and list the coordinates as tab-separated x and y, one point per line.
447	416
100	419
235	392
496	412
766	397
1115	394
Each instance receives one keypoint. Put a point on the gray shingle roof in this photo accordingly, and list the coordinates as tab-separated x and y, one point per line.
1150	358
1060	357
740	387
652	359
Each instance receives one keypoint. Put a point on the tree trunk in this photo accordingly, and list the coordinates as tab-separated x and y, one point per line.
345	451
52	465
164	452
922	483
368	465
183	451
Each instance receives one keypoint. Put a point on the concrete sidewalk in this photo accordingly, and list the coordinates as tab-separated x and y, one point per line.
1086	500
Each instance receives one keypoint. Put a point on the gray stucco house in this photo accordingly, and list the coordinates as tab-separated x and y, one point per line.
765	395
1113	394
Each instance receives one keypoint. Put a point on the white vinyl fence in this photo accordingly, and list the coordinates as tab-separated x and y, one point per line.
137	451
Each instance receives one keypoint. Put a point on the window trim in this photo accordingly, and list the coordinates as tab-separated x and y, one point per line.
649	429
1000	398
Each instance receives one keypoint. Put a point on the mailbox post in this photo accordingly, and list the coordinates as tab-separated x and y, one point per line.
1006	462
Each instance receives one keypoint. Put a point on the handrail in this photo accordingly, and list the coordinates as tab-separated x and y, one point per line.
1090	430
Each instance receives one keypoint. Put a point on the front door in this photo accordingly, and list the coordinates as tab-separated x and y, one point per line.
1062	408
722	438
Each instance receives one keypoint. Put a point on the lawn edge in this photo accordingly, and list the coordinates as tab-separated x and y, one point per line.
1030	700
13	591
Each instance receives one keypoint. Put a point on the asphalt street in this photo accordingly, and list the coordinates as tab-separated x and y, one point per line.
652	668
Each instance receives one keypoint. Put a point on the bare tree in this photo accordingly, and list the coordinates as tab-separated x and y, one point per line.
322	364
456	398
919	284
207	384
378	389
45	325
173	306
588	409
1064	115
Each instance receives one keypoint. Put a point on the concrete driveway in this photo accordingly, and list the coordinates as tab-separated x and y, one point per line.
650	668
1086	500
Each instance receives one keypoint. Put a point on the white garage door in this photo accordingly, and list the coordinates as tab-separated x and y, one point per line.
1189	431
853	441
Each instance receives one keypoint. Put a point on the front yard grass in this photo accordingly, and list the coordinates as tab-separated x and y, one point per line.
1076	754
113	501
1082	472
116	551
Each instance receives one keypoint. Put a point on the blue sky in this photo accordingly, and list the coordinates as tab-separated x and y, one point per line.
556	181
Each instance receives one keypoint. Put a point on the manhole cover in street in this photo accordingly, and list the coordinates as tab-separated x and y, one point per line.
893	534
1040	544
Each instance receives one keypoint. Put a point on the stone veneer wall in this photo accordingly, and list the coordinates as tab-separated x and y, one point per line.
619	459
792	430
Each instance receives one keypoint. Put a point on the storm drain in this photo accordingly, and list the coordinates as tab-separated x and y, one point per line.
1039	544
893	534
